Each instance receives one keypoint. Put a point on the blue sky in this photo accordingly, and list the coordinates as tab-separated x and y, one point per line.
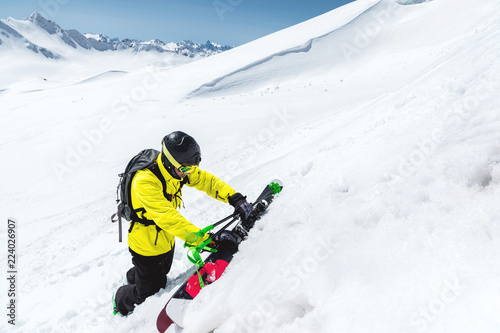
231	22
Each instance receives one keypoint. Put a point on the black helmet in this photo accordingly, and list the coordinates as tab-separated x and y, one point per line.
179	148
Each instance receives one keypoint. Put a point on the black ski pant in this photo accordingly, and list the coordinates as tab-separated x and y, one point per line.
146	278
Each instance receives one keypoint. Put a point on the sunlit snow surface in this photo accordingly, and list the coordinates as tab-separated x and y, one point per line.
381	119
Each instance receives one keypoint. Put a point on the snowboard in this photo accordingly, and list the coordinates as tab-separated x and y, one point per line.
215	265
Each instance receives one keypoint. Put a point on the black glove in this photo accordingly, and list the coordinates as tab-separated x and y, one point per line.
226	240
241	205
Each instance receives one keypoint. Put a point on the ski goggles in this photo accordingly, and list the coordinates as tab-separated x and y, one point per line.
185	169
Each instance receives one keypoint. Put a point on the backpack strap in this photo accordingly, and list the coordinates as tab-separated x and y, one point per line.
154	168
136	218
184	180
156	171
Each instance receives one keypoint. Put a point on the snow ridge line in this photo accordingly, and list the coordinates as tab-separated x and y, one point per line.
306	47
299	49
101	75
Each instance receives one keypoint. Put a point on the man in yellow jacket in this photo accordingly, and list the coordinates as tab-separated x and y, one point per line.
151	237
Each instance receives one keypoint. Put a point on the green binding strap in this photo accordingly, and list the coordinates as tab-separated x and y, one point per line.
193	252
275	187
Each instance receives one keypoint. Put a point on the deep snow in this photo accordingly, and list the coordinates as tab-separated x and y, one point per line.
381	119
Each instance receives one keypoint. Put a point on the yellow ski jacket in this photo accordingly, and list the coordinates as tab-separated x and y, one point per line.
147	193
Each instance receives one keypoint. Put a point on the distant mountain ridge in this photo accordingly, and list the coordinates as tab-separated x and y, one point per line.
24	33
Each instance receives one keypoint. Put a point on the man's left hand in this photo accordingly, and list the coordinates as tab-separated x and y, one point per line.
241	205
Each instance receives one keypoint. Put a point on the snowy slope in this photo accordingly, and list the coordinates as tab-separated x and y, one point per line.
381	120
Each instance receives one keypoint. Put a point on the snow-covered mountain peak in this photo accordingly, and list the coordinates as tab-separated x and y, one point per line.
48	25
60	41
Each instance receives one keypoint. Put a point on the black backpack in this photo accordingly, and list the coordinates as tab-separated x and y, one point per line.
146	159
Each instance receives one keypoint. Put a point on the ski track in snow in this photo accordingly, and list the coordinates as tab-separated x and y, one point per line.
388	221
